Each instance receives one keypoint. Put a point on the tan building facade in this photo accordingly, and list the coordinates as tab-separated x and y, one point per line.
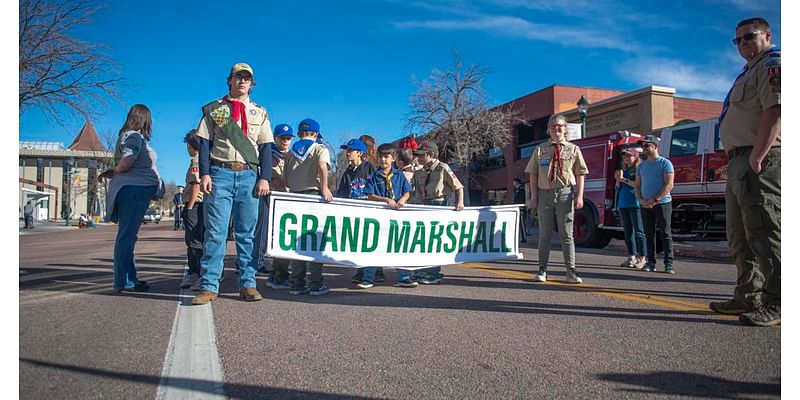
58	178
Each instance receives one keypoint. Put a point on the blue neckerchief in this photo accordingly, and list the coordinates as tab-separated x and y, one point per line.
302	148
727	102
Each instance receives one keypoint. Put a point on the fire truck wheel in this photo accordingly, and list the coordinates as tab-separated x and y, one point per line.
586	231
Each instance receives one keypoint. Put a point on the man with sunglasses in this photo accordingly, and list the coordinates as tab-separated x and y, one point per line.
235	169
655	177
750	130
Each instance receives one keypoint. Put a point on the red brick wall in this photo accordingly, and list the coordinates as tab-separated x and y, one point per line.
695	109
570	95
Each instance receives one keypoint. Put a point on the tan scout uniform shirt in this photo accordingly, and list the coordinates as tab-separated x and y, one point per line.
572	161
301	176
278	183
192	178
258	132
435	181
754	92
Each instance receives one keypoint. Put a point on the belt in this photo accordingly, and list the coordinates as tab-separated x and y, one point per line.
556	189
744	150
235	166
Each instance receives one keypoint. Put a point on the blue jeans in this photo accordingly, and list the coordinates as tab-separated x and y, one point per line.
634	231
130	204
260	244
403	275
232	193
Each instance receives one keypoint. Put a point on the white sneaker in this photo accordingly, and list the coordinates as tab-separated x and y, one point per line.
572	277
189	280
541	277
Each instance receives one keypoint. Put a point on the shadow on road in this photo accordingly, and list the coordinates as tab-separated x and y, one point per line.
691	385
232	390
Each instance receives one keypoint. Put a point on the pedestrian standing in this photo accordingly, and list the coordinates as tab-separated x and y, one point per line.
750	130
630	211
283	133
654	180
134	183
235	168
519	198
557	172
388	185
177	202
307	173
193	219
433	183
27	212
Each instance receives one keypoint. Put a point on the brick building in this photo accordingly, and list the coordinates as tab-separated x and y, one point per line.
646	110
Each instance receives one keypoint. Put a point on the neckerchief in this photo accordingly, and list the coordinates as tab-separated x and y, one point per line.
556	162
239	112
388	179
727	102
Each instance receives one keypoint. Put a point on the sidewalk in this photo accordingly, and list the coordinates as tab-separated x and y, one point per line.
710	249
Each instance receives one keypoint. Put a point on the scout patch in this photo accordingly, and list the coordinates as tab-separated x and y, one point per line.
773	66
221	115
252	112
302	148
544	162
195	170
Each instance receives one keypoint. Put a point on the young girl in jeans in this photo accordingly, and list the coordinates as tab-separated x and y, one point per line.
630	210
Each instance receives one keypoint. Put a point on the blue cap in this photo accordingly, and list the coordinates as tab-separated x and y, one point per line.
308	124
355	144
282	130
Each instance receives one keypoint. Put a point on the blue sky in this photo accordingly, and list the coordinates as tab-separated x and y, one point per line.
349	64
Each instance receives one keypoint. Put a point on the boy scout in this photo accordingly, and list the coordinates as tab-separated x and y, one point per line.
280	150
432	184
306	172
555	168
193	221
750	130
235	168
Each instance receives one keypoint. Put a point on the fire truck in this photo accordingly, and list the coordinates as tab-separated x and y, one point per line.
698	195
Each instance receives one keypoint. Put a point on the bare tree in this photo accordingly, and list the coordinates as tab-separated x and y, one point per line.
452	107
57	70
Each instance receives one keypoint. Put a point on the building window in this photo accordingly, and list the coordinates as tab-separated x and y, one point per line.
39	170
530	135
496	196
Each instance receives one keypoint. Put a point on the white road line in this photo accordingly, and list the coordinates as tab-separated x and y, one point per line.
192	368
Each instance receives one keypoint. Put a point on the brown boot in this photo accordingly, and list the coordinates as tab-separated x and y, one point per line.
204	297
250	294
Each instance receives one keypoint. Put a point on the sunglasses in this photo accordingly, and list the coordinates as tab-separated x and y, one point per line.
243	78
746	37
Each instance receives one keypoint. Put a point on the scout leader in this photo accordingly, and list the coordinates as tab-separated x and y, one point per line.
555	168
235	168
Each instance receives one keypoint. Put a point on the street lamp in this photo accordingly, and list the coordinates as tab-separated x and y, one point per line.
583	108
66	209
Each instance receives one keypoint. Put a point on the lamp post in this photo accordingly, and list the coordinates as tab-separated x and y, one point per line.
66	209
583	108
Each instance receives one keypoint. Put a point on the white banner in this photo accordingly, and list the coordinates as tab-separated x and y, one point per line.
362	233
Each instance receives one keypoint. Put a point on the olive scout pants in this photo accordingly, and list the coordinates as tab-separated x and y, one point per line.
753	220
556	206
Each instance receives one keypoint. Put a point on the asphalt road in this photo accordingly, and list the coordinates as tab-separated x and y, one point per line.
487	332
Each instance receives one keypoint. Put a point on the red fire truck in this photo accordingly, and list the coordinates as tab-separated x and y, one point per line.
698	195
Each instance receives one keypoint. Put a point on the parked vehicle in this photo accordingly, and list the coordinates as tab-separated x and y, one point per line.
152	215
698	195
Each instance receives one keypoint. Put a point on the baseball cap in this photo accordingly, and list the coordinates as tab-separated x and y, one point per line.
308	124
427	148
241	67
355	144
632	151
650	139
282	130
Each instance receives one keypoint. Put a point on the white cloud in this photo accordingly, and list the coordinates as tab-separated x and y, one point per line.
518	27
688	80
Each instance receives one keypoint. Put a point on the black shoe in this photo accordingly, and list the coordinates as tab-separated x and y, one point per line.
142	286
764	316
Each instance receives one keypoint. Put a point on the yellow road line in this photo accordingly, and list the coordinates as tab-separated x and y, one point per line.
619	294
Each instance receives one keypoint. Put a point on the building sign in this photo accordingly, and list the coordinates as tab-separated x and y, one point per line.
573	131
626	118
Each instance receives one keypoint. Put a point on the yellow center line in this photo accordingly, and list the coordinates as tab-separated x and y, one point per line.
619	294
